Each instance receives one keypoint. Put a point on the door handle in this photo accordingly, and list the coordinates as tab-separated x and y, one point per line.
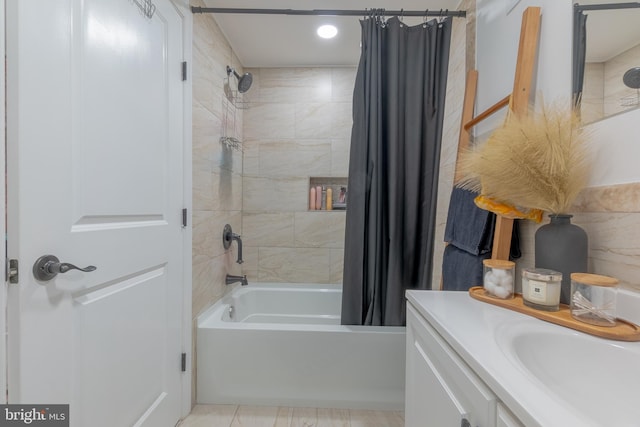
48	266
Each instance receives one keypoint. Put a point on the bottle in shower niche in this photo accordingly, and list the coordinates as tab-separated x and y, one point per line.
329	199
318	197
324	198
312	199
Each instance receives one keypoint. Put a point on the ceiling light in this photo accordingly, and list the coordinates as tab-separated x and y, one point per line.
327	31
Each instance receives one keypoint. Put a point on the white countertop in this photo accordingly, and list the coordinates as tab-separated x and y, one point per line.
473	329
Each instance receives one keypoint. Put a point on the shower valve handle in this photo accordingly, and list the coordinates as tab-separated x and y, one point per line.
48	266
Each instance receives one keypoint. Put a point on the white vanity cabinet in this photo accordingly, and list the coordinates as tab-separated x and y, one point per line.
506	418
441	389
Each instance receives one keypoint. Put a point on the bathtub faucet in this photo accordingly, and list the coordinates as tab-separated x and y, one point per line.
229	236
230	280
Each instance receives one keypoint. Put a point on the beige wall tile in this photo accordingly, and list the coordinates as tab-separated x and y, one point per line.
293	265
319	229
275	194
268	229
340	163
336	265
592	103
201	285
294	163
226	189
204	241
202	190
314	120
277	165
270	121
205	131
295	85
342	83
341	120
250	259
614	87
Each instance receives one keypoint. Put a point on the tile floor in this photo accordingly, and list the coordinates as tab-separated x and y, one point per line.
267	416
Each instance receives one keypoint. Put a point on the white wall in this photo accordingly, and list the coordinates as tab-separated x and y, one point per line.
498	35
616	149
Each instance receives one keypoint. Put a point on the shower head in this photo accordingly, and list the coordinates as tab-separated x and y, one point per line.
632	78
244	81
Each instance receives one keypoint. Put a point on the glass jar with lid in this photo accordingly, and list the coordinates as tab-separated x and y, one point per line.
541	288
593	298
497	278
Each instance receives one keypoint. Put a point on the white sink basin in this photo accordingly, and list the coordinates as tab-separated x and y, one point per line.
599	378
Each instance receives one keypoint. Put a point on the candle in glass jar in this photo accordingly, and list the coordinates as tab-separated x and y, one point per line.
541	288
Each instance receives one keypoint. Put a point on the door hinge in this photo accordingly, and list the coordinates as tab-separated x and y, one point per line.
184	71
183	362
184	218
13	271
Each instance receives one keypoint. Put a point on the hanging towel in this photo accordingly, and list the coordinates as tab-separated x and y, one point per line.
468	227
461	270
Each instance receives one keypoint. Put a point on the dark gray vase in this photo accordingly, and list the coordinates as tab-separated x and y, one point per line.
563	247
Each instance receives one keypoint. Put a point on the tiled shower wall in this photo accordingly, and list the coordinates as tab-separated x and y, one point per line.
298	126
461	59
217	171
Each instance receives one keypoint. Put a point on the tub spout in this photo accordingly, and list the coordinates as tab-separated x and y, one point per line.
229	236
230	279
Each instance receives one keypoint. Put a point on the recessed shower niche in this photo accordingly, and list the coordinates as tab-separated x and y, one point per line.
327	194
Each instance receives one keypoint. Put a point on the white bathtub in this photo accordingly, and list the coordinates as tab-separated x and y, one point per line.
283	345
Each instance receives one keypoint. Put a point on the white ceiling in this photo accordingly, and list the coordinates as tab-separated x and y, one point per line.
290	41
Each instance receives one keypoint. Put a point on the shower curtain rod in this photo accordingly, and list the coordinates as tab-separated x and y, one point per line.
329	12
609	6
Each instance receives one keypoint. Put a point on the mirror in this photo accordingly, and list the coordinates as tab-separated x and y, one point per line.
609	59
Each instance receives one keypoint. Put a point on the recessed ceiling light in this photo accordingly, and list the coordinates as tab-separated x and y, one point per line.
327	31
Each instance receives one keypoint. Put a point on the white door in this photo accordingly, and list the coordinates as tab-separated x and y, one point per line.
95	133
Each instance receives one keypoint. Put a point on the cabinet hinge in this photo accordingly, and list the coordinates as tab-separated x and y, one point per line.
13	271
183	362
184	218
184	71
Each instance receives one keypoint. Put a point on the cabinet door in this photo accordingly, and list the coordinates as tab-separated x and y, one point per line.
429	399
506	418
441	389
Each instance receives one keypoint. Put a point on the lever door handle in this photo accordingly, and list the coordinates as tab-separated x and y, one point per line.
49	266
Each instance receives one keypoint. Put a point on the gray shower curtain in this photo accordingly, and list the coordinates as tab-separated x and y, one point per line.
398	109
579	53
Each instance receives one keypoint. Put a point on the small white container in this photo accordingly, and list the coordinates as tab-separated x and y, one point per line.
498	276
593	298
541	288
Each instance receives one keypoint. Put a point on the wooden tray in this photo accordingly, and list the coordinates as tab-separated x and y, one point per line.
622	331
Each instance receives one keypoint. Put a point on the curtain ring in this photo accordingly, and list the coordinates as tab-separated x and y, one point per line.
425	18
401	17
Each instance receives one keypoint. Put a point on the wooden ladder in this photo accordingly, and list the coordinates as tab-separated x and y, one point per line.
518	102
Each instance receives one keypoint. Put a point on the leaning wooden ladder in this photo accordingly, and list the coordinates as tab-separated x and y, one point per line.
518	102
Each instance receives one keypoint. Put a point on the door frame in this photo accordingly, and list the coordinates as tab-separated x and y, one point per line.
3	220
184	11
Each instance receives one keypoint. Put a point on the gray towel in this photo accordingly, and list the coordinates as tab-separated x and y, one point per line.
469	227
461	270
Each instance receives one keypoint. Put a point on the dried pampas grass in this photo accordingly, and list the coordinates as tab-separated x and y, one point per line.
538	162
